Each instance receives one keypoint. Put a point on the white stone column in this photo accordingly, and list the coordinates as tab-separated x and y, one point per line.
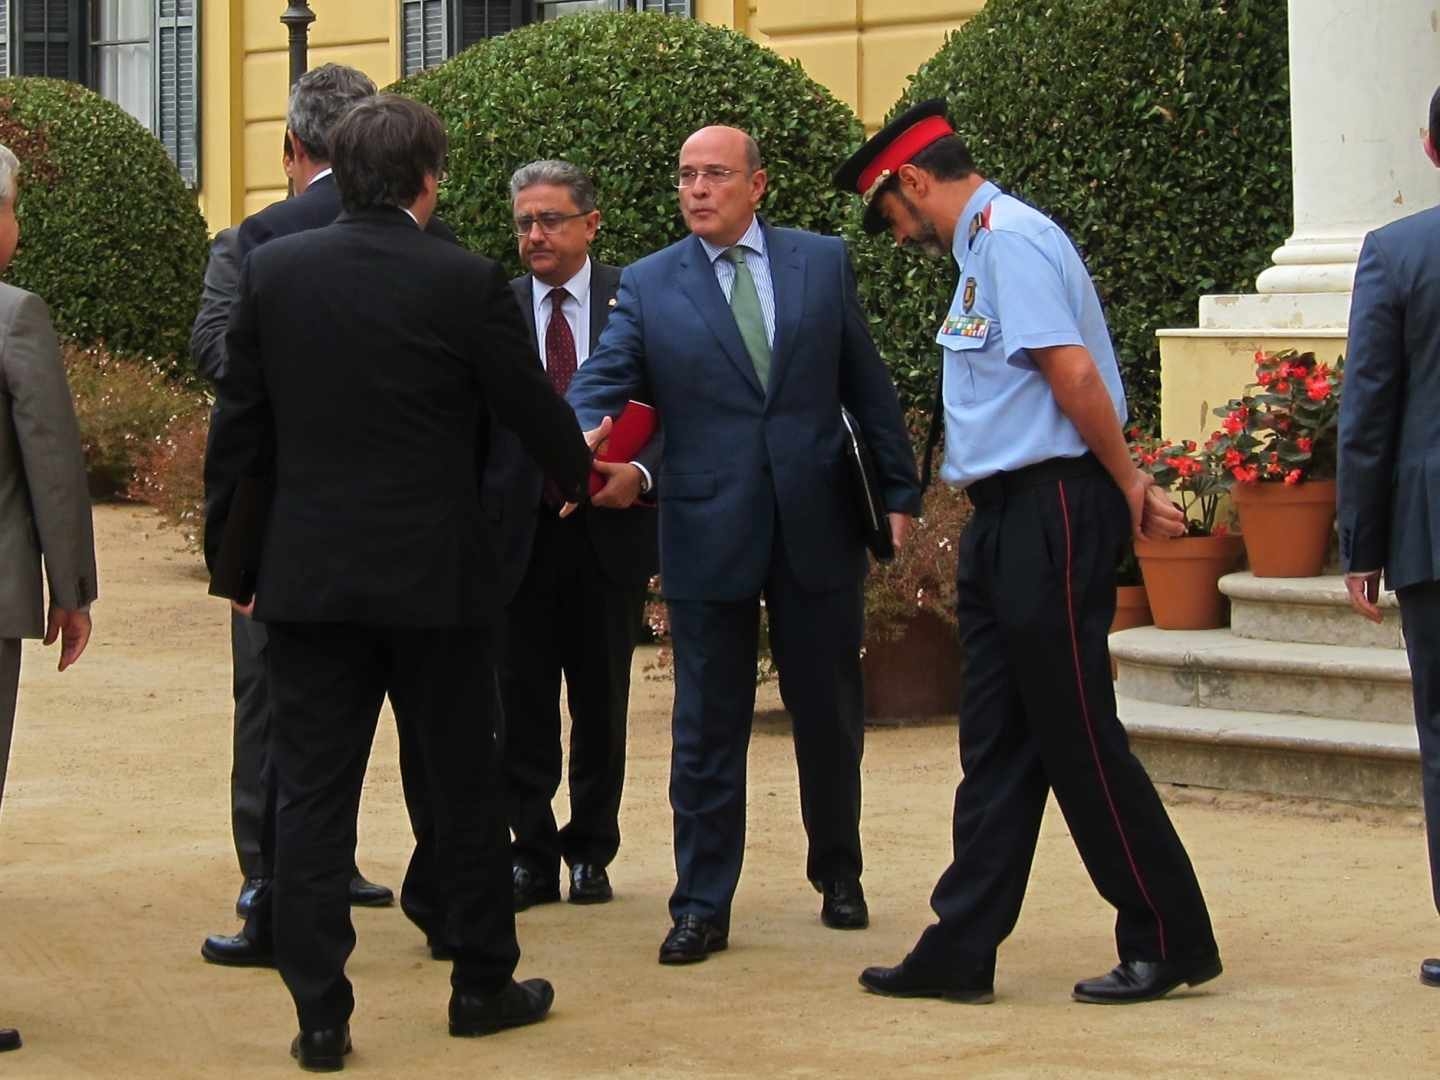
1361	76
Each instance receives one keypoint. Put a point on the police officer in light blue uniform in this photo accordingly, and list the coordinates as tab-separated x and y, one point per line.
1033	413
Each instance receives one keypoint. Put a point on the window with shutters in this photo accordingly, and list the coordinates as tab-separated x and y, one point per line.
4	38
177	85
47	38
554	9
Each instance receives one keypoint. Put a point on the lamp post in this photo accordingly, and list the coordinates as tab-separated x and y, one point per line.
298	18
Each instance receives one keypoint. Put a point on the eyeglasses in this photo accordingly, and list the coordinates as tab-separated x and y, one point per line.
549	222
713	174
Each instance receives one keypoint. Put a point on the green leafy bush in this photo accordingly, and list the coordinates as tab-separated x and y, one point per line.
1155	132
617	94
124	409
110	237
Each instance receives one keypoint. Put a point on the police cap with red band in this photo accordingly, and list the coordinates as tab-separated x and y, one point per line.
896	144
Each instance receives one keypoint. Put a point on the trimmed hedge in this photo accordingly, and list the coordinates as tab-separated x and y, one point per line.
1155	132
110	237
617	94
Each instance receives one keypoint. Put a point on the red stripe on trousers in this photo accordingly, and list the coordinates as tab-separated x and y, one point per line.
1090	728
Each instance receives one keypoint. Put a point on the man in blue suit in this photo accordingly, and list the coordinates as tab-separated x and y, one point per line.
748	339
1389	443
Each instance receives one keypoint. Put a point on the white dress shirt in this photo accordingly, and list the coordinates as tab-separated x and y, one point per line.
576	309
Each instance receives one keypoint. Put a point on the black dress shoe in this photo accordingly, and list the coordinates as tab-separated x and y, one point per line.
1430	972
518	1004
322	1050
1144	980
237	951
251	893
531	888
691	940
589	884
843	906
913	978
9	1039
367	894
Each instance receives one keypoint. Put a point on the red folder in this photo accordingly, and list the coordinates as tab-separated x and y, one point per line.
628	436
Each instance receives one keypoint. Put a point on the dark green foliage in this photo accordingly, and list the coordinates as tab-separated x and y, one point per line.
617	94
110	237
1155	132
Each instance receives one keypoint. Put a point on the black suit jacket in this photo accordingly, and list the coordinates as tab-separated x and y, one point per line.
363	362
625	541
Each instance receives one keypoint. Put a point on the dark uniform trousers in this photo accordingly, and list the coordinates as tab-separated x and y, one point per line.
567	616
328	683
1036	599
252	788
1420	616
815	642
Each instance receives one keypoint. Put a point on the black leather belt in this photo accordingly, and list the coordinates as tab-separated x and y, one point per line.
992	490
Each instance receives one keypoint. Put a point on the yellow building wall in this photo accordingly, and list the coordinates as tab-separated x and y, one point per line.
862	50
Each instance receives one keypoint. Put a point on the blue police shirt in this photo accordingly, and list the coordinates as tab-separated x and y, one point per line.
1022	286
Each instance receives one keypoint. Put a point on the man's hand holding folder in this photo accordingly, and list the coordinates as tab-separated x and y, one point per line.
615	481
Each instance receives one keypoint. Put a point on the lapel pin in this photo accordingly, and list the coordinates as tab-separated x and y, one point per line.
613	301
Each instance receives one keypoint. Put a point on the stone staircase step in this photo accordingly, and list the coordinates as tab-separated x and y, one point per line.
1311	610
1218	670
1364	761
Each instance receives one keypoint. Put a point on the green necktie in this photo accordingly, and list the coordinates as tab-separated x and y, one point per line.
745	305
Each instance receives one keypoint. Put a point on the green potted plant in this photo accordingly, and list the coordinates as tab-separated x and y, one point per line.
1182	575
1278	442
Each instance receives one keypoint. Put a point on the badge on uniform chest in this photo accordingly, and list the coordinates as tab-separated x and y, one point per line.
966	326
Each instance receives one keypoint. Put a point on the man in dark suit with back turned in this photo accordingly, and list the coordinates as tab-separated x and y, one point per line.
317	102
749	339
1389	441
580	580
364	362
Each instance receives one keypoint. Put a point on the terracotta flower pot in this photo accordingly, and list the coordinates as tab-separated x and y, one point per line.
1182	578
1286	526
1132	608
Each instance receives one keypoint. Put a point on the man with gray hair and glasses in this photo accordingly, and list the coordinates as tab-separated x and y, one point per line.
576	585
318	101
44	498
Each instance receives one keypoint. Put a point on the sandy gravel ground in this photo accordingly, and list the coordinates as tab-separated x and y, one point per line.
117	861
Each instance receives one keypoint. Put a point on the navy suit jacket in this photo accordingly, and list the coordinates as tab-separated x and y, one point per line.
624	540
1389	499
744	463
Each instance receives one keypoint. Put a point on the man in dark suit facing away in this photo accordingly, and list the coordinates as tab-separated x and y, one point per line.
581	580
317	102
748	339
363	363
1389	440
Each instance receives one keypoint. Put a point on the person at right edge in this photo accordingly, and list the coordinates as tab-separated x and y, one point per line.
1056	497
1389	433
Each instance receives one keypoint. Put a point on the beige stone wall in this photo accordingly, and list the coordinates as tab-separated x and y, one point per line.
862	50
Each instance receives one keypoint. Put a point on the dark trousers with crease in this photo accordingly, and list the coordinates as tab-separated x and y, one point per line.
567	617
1036	598
252	788
327	685
815	643
1420	615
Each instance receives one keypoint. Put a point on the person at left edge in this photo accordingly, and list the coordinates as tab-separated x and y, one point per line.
364	360
44	498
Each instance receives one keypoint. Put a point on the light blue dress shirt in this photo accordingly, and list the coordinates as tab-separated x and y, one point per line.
1022	286
758	260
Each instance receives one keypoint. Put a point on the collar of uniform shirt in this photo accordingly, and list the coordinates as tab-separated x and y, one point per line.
960	244
754	240
578	287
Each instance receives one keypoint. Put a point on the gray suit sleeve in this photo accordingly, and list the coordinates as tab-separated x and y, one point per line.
222	280
50	453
